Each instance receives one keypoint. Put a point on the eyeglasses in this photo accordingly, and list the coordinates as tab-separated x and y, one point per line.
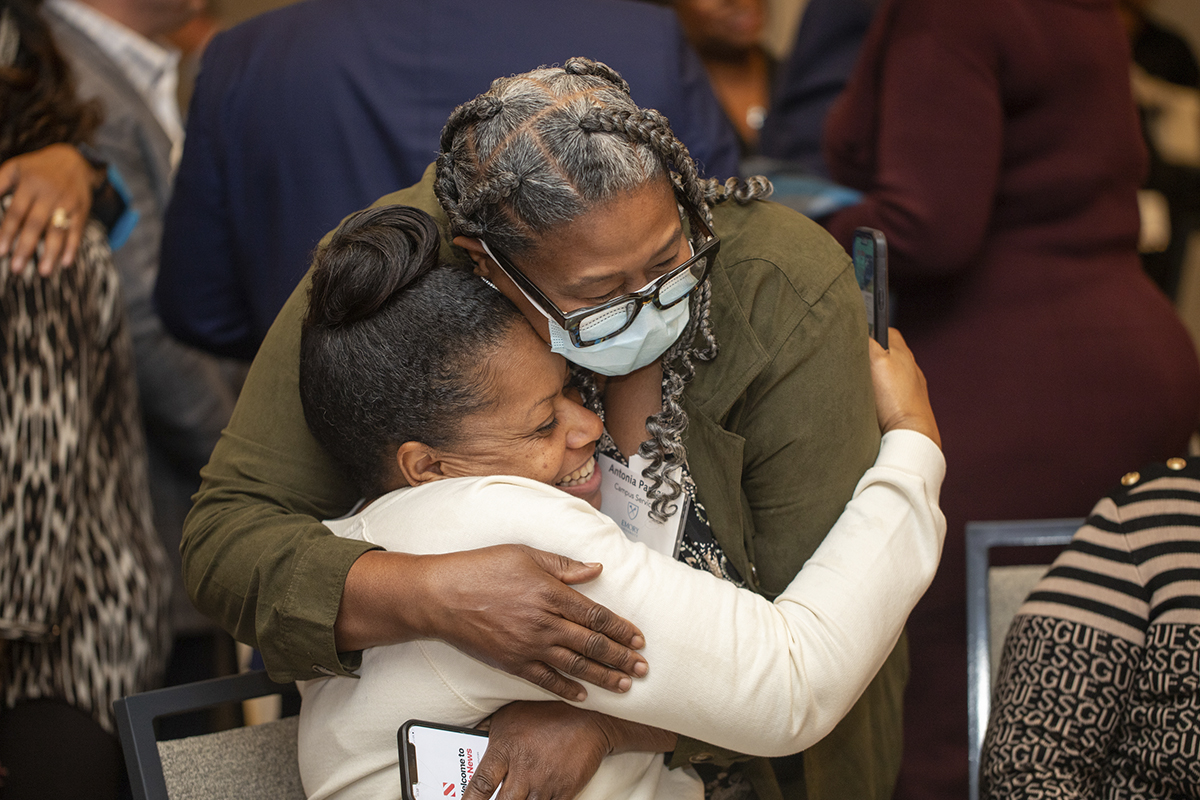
592	325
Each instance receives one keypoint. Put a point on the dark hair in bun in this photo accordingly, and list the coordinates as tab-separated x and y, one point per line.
396	345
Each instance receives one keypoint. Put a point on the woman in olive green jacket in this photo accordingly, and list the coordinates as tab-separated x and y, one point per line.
567	196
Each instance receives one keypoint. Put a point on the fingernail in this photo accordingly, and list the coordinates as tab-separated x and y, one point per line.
637	642
579	698
640	669
592	564
624	684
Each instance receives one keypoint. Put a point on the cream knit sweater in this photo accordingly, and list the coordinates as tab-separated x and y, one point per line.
727	666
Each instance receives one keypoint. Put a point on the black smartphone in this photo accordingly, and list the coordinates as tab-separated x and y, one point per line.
437	761
870	268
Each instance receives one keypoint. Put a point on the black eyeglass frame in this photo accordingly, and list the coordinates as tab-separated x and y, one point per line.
708	250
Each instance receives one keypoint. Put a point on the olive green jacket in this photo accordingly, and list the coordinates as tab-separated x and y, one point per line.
781	427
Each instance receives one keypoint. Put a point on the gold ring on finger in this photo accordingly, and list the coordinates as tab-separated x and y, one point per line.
60	219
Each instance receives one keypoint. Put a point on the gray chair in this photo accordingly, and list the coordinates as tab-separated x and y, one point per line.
258	761
993	596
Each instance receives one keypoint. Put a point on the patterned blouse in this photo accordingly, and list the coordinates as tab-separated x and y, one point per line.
82	596
1099	687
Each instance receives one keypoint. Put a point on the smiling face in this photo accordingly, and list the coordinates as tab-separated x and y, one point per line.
614	249
534	427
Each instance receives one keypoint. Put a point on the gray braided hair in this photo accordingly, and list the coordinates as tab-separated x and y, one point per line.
541	149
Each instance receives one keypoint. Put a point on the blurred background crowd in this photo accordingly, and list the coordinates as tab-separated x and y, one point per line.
1037	175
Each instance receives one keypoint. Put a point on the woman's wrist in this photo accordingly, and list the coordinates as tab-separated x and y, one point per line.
924	424
624	736
97	163
380	602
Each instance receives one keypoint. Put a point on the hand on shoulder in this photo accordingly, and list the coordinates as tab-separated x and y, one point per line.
51	198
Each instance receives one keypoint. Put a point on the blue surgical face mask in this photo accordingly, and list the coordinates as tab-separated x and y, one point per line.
652	333
641	344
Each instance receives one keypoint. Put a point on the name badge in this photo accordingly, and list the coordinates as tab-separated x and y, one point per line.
623	499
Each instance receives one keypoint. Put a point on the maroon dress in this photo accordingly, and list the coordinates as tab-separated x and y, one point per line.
998	148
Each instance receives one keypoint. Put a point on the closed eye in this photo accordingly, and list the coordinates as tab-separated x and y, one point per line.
665	266
654	273
604	298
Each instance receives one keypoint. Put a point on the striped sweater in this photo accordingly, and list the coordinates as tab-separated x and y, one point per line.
1099	687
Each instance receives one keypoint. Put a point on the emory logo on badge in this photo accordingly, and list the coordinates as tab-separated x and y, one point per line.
623	495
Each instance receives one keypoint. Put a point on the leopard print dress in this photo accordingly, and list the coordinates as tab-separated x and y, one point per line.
83	592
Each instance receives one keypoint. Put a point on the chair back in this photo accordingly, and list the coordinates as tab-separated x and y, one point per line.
993	596
258	761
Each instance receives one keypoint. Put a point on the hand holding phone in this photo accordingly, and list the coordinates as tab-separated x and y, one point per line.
437	761
870	268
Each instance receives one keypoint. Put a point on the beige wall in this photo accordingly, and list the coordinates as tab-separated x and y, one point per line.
1183	16
783	17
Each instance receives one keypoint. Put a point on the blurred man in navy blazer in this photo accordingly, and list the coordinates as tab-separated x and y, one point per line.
814	74
306	114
